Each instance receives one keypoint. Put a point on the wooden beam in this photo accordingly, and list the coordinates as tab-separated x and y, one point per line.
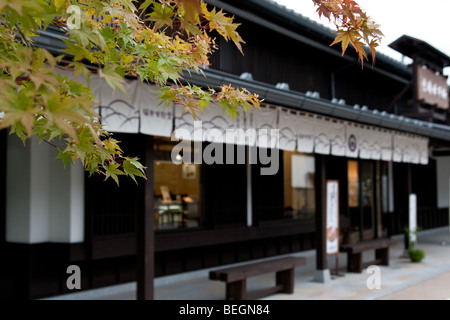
3	141
398	97
320	187
145	231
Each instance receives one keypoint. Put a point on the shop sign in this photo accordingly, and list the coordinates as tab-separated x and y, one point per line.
332	222
432	88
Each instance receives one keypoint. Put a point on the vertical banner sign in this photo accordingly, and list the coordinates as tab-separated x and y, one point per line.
412	217
332	217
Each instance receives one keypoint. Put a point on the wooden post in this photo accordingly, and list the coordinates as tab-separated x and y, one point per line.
3	147
145	234
322	272
3	142
409	186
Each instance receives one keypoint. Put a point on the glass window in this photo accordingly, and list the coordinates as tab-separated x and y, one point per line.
299	192
177	188
353	184
361	200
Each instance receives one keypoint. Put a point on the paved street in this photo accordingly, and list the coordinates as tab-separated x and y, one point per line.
401	280
435	288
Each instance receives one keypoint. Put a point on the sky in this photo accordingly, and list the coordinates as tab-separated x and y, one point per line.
427	20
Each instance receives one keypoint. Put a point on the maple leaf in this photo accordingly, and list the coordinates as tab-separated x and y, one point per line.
133	168
354	26
373	45
192	10
80	68
224	26
161	15
343	37
42	78
323	10
113	79
58	3
27	118
112	170
66	157
78	52
118	43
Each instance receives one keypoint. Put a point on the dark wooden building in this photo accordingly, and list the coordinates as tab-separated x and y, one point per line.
364	127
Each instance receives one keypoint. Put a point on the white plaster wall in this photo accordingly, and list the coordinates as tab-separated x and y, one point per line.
77	203
17	191
59	201
443	176
66	198
45	201
27	205
39	188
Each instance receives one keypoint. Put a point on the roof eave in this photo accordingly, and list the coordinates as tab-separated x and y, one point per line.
299	101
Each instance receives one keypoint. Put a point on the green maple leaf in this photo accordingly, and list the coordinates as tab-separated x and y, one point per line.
78	52
66	157
113	79
161	15
133	168
112	170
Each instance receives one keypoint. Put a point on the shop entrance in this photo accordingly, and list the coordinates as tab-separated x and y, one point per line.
362	206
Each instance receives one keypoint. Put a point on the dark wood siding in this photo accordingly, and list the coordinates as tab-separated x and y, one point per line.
5	278
3	146
274	58
225	194
367	87
424	184
111	209
268	193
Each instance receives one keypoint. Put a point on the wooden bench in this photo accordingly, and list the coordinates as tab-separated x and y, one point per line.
236	277
355	251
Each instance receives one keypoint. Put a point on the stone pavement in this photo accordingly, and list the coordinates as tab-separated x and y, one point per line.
401	280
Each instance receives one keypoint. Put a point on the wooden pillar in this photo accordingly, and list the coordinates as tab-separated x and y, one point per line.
414	82
409	180
145	234
322	273
2	187
5	265
409	188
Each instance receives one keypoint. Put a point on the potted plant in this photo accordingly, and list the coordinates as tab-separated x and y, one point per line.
416	255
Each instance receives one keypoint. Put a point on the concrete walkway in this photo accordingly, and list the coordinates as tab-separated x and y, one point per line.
401	280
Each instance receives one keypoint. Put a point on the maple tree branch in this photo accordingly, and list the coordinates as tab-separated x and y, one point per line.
23	37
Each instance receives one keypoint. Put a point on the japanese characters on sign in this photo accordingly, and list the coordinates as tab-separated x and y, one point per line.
432	88
332	222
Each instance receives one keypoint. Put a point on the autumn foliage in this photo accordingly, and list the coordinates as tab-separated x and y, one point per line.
155	41
353	26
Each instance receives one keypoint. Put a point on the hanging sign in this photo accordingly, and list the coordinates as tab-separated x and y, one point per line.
412	217
432	88
332	222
